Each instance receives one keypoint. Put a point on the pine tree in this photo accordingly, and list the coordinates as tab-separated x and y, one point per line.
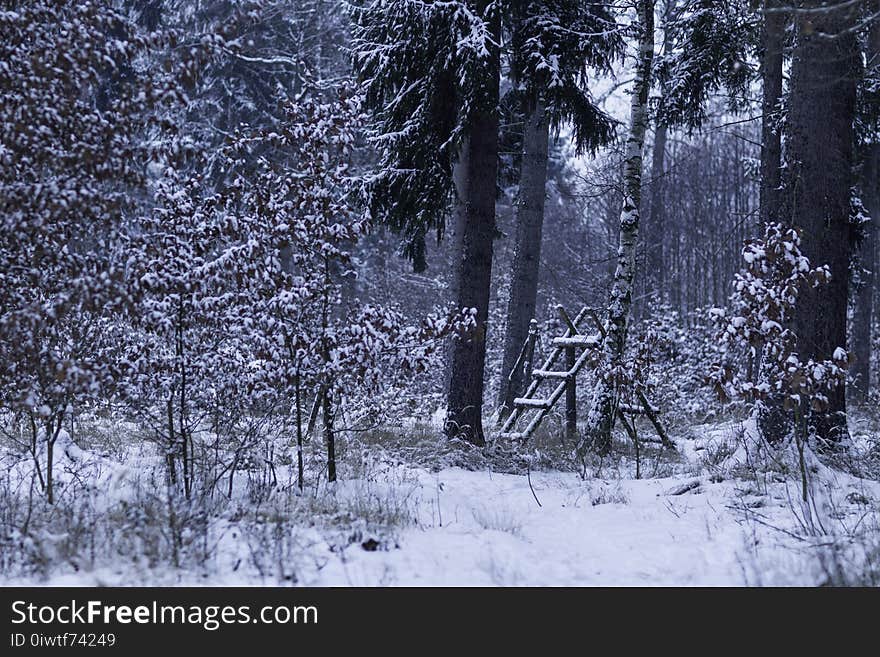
476	179
709	43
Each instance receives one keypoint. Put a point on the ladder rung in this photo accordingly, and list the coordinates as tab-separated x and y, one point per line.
549	374
589	341
531	403
635	410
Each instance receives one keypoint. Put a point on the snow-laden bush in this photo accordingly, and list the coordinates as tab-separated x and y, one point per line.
759	361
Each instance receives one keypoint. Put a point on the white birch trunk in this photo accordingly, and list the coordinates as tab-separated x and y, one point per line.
600	420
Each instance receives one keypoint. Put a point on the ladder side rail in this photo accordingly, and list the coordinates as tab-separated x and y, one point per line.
516	414
554	397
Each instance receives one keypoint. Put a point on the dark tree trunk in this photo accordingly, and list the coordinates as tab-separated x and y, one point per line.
655	221
773	42
656	224
457	246
863	311
299	435
50	468
329	434
527	251
478	160
825	68
772	419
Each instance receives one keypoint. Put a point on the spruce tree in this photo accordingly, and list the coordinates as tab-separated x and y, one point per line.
431	74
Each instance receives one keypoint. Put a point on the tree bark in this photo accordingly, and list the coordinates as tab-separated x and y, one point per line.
863	311
50	469
478	176
657	218
773	420
773	42
329	434
601	416
299	435
824	73
527	251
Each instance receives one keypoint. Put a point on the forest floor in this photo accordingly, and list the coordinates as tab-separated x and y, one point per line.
716	512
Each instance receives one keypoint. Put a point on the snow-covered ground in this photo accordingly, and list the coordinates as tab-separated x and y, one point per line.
712	524
610	533
584	533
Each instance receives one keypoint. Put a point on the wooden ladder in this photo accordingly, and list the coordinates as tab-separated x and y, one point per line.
532	408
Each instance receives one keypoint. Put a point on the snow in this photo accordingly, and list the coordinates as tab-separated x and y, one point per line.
696	527
495	534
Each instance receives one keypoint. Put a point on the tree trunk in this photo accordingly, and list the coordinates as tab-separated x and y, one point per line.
773	420
299	435
459	175
657	219
50	469
824	72
601	417
863	311
527	253
773	41
479	161
329	434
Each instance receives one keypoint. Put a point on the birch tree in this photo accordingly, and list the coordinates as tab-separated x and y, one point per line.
601	416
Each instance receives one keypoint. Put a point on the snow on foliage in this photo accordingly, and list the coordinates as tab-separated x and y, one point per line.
80	119
131	271
709	43
425	88
758	347
556	45
422	66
